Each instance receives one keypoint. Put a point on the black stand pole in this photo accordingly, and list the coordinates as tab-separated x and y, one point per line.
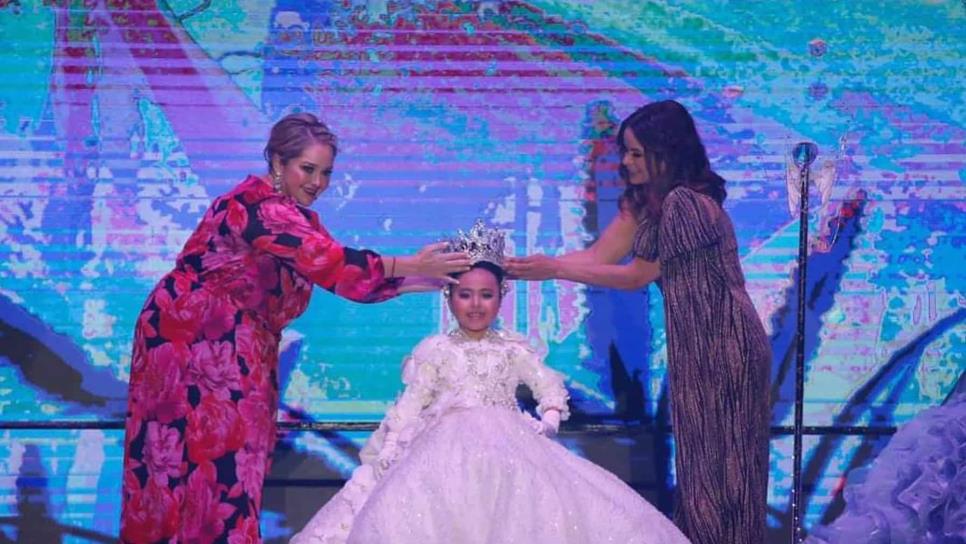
804	154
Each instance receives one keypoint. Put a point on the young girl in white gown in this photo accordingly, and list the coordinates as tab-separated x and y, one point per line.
456	461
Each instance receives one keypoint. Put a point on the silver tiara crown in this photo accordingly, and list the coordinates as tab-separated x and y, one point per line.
480	243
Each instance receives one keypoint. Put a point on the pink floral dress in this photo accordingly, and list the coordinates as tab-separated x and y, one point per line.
203	395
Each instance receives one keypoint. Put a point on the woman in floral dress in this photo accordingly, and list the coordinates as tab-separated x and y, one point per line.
203	394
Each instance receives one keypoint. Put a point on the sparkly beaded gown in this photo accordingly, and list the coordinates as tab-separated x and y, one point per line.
456	460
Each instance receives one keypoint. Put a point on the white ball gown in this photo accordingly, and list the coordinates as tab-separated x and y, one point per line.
456	461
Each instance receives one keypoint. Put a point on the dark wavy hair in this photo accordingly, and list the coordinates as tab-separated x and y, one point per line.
295	132
666	131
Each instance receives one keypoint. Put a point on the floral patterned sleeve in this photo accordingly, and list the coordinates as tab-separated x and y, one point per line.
277	226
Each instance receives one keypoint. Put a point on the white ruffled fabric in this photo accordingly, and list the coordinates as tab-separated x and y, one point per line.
455	460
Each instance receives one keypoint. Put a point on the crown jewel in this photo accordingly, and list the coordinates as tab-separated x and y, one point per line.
480	243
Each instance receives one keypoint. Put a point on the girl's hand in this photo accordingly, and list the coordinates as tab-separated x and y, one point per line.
547	425
551	422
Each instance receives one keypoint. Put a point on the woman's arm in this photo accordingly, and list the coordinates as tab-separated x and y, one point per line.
277	227
595	265
614	243
633	275
432	262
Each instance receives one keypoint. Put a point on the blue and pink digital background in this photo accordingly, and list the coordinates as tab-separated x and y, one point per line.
121	120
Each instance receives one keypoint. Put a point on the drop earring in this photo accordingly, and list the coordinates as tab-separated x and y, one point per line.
277	182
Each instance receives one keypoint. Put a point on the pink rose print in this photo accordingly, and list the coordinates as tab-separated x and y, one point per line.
358	283
245	532
183	280
214	429
144	328
150	514
198	242
258	414
205	514
163	451
267	270
179	320
159	388
318	257
237	216
256	346
219	318
250	472
213	323
213	368
280	216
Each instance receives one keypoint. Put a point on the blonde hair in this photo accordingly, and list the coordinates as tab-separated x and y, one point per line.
295	132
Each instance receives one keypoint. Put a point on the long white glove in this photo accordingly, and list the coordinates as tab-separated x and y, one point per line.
546	425
550	421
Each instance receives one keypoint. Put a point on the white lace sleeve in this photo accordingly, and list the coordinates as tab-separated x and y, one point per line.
546	384
420	371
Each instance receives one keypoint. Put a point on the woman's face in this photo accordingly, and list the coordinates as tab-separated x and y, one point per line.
307	176
634	160
475	301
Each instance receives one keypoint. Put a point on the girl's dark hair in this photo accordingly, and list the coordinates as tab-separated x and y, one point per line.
294	133
492	268
666	131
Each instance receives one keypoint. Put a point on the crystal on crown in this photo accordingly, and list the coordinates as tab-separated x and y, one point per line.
480	243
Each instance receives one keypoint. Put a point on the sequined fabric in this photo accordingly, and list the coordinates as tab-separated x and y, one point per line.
455	460
718	358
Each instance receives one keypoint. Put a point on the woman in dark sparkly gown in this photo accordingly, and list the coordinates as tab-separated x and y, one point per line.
718	353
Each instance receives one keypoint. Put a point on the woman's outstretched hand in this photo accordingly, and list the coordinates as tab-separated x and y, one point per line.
434	262
532	267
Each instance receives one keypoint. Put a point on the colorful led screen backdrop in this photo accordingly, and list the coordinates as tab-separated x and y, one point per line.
121	120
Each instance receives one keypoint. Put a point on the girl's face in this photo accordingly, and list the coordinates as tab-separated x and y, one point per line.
307	176
475	301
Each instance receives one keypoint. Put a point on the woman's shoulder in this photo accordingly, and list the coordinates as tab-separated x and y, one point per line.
685	199
683	192
251	191
256	191
253	188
